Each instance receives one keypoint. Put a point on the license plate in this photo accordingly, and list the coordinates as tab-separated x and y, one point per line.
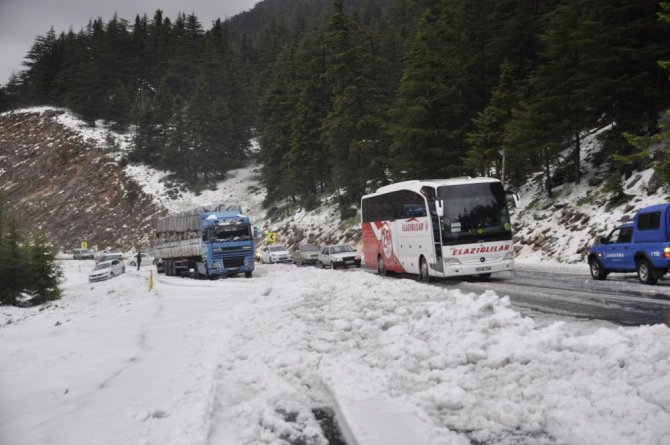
483	269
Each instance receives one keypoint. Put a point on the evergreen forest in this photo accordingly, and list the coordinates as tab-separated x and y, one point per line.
347	95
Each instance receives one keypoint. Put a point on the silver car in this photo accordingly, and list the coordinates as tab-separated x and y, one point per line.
341	255
82	254
306	254
105	270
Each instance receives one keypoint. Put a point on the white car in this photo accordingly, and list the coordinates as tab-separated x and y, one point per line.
275	253
146	260
105	270
341	255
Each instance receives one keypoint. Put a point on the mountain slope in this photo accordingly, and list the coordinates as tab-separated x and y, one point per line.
54	179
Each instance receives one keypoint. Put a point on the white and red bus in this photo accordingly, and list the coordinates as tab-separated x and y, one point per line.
438	228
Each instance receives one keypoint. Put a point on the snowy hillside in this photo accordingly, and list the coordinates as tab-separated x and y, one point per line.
240	187
562	228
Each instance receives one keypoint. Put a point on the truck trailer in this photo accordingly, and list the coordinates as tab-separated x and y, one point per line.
212	241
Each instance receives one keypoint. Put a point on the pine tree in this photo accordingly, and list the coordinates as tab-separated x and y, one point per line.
353	130
13	273
119	106
487	148
44	272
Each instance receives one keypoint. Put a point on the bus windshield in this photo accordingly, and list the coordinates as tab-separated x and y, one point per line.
474	213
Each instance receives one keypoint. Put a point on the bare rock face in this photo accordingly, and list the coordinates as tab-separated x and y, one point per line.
53	180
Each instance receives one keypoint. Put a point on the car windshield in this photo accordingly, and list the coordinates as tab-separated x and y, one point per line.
309	248
104	265
341	249
277	248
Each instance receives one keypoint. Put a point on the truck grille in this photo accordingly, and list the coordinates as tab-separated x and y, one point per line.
231	256
233	262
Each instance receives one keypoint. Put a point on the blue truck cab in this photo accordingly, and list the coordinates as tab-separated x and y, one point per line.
641	246
227	245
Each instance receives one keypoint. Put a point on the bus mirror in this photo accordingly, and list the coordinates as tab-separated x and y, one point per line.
439	208
512	196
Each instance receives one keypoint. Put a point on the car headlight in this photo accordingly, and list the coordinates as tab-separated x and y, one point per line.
339	260
357	258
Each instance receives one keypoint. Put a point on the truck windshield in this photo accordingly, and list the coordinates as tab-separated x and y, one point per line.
220	234
474	213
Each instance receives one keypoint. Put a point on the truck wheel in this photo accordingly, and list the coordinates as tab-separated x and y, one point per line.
645	272
598	272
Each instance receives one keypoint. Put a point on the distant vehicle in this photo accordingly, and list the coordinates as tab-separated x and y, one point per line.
275	253
146	260
82	254
212	241
107	256
105	270
438	228
641	246
306	254
341	255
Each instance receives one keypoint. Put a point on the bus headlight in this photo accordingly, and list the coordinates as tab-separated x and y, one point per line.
508	256
451	262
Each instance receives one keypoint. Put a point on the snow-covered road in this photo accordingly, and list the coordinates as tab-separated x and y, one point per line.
248	361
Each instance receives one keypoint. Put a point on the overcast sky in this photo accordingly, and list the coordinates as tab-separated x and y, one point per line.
21	21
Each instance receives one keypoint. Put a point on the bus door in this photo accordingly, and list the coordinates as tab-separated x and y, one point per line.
431	197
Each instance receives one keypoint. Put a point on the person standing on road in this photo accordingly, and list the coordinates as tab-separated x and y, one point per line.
139	259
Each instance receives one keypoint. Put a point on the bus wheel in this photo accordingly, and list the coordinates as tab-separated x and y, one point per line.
381	269
423	271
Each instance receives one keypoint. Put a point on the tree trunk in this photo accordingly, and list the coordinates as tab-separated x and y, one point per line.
578	174
547	173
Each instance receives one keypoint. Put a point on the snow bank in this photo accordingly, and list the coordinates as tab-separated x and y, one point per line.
248	361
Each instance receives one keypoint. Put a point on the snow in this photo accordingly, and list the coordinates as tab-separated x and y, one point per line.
245	361
250	361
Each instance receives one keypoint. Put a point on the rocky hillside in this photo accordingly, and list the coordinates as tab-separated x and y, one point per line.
53	179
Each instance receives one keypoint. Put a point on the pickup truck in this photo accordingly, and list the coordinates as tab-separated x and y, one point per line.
641	246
